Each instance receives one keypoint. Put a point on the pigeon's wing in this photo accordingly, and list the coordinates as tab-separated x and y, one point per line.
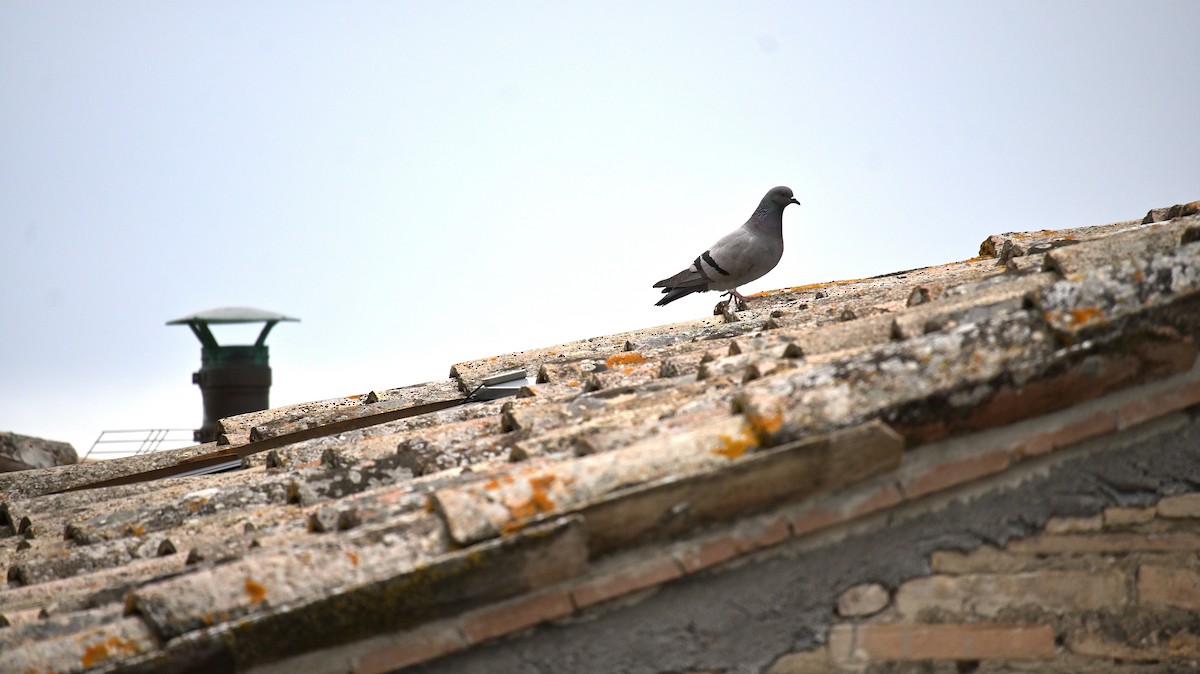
739	258
706	268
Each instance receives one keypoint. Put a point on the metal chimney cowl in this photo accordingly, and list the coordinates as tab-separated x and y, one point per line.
233	379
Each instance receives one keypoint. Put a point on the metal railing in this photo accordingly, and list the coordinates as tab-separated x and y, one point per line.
147	440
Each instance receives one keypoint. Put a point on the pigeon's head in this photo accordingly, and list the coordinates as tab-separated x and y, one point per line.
780	196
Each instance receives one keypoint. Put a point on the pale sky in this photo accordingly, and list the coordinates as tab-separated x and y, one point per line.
423	183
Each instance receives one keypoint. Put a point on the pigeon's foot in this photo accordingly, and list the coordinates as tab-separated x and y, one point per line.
725	312
738	299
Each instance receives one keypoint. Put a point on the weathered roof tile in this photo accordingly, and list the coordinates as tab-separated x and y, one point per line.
83	650
85	591
62	624
63	559
34	483
394	400
272	600
1131	244
154	514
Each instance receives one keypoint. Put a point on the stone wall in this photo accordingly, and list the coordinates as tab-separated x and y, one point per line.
22	452
1118	591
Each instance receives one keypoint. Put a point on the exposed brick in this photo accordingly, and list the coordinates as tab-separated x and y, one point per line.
707	552
984	559
629	578
1170	586
843	647
914	641
953	473
863	600
410	648
1085	643
1123	517
1183	505
858	502
1100	423
986	595
1074	525
885	496
772	532
1183	645
739	540
1180	645
1078	544
810	520
980	641
1154	405
805	662
516	615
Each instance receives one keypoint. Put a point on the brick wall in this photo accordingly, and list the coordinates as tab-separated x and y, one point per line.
1116	592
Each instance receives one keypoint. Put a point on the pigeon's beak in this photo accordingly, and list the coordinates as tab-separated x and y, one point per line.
793	201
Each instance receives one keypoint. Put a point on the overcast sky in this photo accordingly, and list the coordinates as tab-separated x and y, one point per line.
423	183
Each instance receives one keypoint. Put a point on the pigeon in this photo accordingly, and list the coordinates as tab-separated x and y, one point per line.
745	254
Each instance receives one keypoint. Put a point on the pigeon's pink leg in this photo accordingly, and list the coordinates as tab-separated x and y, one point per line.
738	299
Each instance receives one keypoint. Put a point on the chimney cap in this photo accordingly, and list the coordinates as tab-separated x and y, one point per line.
232	315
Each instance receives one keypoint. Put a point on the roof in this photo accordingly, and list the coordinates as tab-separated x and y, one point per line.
395	526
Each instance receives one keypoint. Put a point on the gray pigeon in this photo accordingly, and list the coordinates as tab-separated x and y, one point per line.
743	255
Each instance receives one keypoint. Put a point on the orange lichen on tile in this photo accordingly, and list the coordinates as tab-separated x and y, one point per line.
94	654
629	358
539	500
353	557
765	424
214	618
256	591
137	529
1086	315
733	447
573	382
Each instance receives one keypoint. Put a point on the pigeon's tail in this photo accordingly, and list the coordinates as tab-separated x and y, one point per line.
673	294
684	283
